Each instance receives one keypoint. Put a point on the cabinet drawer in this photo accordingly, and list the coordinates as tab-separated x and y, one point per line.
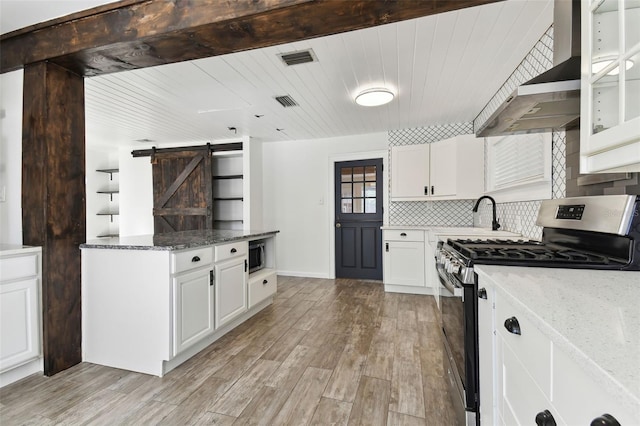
227	251
403	235
16	267
261	287
532	348
522	399
191	259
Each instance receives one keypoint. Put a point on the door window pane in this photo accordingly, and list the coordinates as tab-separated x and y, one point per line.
370	189
370	173
345	174
370	205
358	205
358	190
346	190
346	206
358	174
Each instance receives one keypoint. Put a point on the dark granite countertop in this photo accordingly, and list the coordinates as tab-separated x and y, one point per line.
174	240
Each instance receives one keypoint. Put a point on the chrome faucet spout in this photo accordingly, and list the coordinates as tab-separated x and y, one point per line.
494	222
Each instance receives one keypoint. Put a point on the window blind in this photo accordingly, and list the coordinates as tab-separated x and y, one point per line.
518	159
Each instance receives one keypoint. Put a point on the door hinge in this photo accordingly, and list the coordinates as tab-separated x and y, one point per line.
211	277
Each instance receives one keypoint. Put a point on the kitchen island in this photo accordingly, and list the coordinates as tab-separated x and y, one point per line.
151	302
575	352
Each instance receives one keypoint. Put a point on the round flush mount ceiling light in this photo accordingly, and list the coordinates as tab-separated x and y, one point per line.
374	97
596	67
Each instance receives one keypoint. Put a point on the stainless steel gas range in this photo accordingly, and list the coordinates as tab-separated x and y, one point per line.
600	232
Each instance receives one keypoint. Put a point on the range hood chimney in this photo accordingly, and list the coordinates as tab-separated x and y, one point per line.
552	99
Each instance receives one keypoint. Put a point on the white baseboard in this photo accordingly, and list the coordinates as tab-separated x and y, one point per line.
304	274
22	371
389	288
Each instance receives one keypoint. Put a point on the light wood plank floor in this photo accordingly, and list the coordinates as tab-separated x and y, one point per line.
340	352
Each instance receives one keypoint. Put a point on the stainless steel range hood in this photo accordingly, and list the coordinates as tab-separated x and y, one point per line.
551	100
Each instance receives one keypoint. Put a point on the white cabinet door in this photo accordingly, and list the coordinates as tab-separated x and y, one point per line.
193	308
231	289
486	354
410	171
443	168
19	322
610	87
404	263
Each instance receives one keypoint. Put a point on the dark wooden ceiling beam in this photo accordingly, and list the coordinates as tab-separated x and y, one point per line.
140	34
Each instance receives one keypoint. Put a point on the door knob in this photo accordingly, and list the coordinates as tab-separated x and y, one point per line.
338	225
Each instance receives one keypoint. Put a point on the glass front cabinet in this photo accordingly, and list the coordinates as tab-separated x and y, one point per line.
610	92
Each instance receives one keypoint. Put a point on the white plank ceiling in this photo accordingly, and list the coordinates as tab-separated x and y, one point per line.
443	69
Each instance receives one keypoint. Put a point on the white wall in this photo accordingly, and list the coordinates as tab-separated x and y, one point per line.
100	157
11	157
296	198
136	194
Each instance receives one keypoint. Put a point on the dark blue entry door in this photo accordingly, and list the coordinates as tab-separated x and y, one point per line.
358	218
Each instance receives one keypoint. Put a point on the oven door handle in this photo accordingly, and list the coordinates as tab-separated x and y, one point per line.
456	291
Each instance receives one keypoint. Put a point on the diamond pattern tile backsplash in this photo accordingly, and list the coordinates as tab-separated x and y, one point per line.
517	217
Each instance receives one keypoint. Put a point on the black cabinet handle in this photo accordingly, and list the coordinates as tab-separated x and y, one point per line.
233	250
426	190
482	293
545	418
387	247
265	282
605	420
195	259
403	234
246	265
512	325
211	277
432	190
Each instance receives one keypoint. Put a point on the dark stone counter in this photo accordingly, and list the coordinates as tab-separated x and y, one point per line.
175	240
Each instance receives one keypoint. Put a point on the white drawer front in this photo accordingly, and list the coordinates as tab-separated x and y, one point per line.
262	287
531	347
192	259
229	250
403	235
16	267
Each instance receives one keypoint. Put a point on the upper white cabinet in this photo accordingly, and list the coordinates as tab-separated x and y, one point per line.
445	170
610	91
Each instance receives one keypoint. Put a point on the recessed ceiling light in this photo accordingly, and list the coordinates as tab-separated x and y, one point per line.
596	67
374	97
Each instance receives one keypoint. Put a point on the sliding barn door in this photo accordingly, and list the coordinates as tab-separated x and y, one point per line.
182	195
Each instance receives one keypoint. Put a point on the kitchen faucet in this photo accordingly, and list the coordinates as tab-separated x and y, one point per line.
494	223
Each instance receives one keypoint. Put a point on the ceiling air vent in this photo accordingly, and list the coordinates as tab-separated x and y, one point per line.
299	57
286	101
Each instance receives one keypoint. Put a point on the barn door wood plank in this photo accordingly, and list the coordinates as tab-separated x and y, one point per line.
179	180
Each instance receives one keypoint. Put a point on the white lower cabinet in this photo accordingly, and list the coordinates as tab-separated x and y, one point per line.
486	354
151	310
262	284
404	262
193	299
231	289
524	376
20	319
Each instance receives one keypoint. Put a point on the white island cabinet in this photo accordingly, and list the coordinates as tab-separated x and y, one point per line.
20	307
148	304
555	343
